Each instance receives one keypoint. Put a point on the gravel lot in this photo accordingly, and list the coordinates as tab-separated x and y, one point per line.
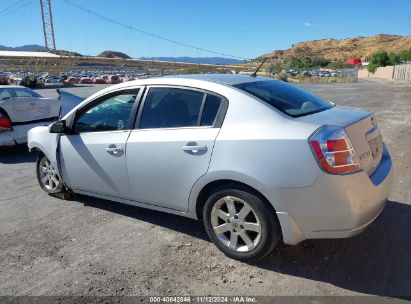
90	246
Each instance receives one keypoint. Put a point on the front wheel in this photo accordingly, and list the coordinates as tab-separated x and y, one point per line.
47	175
241	224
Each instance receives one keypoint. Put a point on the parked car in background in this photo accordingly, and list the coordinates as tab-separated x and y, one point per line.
128	78
72	80
4	79
86	80
99	80
51	79
114	79
259	160
22	109
62	78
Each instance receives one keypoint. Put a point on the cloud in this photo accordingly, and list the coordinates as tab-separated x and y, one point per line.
307	24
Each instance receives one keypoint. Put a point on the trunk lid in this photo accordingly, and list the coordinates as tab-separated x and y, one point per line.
361	128
68	101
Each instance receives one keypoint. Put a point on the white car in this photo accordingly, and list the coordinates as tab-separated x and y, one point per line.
259	160
22	109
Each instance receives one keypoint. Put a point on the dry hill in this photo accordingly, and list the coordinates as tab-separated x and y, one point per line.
335	49
113	54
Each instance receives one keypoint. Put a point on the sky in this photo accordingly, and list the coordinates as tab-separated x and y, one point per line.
242	28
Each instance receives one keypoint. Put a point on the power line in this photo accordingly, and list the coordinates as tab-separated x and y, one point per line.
129	27
9	7
10	10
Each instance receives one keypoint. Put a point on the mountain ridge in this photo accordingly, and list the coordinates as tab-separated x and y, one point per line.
342	49
26	47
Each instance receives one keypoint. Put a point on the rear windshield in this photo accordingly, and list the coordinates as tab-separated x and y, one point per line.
285	97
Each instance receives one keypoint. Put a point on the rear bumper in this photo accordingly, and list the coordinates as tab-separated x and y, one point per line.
335	206
19	134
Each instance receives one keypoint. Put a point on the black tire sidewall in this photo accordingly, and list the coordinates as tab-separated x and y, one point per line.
270	228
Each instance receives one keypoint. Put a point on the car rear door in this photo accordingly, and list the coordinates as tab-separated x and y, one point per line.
93	156
171	146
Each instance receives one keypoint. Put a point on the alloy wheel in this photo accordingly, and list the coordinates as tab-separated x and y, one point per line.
236	224
48	175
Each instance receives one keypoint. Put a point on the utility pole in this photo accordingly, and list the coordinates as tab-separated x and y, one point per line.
48	29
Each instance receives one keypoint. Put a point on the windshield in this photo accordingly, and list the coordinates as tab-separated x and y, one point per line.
285	97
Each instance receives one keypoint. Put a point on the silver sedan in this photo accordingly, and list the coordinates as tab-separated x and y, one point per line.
259	160
22	109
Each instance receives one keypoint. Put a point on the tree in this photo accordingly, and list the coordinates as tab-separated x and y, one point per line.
405	55
338	64
393	58
380	58
275	67
301	62
319	61
372	67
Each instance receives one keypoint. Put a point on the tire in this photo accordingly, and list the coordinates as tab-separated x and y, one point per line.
47	175
241	234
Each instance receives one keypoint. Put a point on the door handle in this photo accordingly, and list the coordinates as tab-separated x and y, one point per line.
194	148
114	149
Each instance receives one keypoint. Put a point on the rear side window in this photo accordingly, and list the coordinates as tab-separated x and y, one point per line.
171	108
4	94
285	97
8	93
211	106
25	93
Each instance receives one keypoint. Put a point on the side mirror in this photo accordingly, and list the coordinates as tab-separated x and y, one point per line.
58	127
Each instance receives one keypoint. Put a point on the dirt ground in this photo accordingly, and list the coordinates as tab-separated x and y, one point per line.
90	246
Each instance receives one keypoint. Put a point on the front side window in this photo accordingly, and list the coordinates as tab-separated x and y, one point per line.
171	108
285	97
111	114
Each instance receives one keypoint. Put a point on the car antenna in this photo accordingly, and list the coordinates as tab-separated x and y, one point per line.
255	72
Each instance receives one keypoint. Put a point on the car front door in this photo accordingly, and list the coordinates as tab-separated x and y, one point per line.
93	157
171	145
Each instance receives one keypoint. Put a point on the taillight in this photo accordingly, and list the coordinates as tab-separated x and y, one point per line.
5	123
334	151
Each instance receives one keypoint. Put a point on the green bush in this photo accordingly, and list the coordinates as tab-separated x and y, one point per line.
372	67
301	62
338	64
405	55
393	58
380	58
319	61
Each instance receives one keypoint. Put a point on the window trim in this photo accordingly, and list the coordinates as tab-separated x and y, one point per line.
218	121
100	99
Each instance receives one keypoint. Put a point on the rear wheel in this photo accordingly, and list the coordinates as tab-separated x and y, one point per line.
47	175
241	224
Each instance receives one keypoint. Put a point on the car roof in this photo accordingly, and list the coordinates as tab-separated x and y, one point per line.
228	79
